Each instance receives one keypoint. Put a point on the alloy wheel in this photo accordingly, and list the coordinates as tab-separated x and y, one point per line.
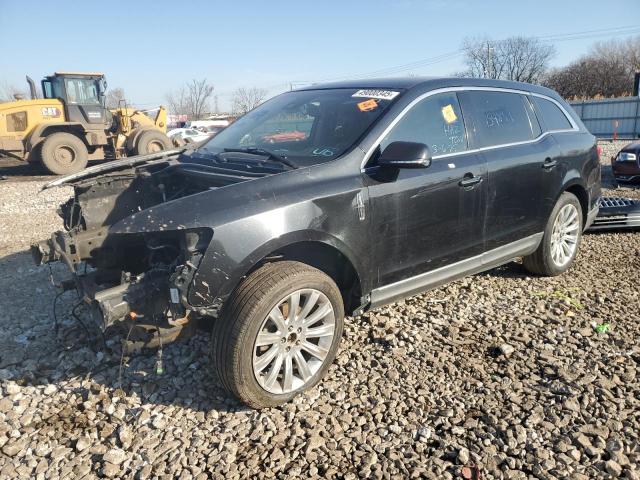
564	236
294	340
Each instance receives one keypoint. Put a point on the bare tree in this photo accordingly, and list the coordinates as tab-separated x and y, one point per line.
606	71
246	99
115	97
192	99
177	102
8	93
521	59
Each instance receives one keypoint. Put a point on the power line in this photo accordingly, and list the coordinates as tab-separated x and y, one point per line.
425	62
610	32
597	31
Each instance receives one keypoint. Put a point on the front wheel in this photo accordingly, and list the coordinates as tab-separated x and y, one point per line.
562	236
152	141
63	153
278	334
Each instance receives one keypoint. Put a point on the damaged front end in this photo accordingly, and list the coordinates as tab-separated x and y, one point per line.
132	273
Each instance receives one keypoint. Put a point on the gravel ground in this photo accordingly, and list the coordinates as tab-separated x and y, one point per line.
501	369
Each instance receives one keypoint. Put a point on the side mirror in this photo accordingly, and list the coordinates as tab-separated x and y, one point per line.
405	155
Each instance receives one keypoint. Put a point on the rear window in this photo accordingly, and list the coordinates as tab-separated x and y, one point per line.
499	118
552	117
17	122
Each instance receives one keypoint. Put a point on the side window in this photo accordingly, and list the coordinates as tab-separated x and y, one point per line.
435	121
552	116
17	122
499	118
47	90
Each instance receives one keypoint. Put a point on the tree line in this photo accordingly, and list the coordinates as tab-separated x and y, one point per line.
194	99
607	70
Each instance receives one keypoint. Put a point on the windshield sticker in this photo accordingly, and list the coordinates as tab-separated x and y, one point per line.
448	114
323	152
379	94
368	105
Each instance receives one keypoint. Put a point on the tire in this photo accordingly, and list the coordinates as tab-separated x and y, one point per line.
152	141
35	155
178	141
63	153
236	359
130	144
544	261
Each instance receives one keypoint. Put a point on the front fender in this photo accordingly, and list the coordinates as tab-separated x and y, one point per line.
236	248
38	133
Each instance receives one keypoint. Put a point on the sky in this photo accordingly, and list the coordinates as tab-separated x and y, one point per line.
150	48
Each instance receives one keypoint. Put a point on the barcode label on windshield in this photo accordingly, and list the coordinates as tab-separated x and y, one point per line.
379	94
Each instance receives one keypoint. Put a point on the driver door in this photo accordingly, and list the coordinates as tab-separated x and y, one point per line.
426	220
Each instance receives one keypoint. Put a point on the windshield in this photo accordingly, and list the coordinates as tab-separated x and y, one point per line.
82	91
305	126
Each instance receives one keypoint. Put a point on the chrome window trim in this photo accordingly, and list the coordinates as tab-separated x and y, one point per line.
418	99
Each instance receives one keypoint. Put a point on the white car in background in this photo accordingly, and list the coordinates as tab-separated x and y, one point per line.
188	135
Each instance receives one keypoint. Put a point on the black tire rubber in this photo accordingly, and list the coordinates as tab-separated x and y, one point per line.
234	333
540	261
35	155
69	141
130	144
146	138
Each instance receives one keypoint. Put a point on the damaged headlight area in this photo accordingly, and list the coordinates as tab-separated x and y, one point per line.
134	275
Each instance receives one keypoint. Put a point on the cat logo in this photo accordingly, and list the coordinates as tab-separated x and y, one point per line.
51	112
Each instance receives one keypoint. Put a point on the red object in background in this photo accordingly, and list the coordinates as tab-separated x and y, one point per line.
599	149
470	472
294	136
615	129
625	165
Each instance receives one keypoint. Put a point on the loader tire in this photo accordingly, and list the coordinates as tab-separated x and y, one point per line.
152	141
63	153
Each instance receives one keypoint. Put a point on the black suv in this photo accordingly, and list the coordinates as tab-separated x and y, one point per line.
324	202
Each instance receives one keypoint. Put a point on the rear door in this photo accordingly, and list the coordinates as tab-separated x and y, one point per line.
427	218
506	131
570	152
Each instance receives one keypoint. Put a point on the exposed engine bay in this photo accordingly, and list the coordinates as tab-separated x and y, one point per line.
143	274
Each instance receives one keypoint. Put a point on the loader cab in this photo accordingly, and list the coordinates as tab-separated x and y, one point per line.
83	96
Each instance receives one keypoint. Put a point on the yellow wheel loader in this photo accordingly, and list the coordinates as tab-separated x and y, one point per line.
71	124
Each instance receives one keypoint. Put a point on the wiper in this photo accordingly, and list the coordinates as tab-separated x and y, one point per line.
262	151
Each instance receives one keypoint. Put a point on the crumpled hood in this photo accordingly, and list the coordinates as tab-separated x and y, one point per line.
216	206
113	166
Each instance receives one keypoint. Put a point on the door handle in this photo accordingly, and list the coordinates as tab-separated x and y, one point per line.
549	164
469	180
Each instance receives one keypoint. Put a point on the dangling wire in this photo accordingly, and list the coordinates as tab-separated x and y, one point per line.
55	316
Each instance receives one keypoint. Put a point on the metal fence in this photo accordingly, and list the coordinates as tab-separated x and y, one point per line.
611	117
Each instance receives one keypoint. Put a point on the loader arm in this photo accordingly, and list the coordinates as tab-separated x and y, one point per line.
144	118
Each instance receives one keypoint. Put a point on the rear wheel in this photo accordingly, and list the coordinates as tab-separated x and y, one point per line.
279	333
561	239
63	153
152	141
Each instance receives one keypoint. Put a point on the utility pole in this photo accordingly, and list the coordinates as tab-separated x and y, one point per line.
215	104
488	70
